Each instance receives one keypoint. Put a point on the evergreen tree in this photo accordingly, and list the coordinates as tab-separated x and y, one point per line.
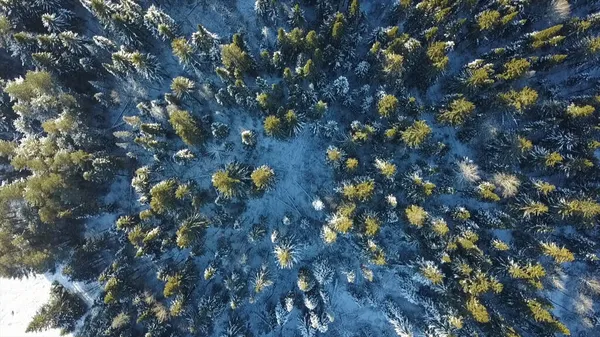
186	127
231	181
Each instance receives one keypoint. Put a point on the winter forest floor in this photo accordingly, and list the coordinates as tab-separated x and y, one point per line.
465	206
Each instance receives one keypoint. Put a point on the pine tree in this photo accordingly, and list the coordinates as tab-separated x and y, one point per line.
488	19
387	105
458	112
580	111
339	27
163	196
184	51
362	190
354	10
478	310
520	100
431	272
191	231
437	55
273	126
559	254
416	215
416	134
534	208
235	57
261	280
386	168
296	18
231	181
186	127
514	69
286	254
173	285
585	208
182	86
546	37
263	177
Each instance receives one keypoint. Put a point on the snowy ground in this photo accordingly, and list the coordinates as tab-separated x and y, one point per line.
20	299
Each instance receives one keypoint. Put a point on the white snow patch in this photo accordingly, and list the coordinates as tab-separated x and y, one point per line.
20	300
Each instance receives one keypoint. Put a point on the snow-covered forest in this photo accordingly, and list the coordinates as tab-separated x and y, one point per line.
345	168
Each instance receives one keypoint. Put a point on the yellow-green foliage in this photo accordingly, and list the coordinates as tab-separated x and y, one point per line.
488	19
514	68
534	208
261	281
440	227
387	105
334	154
191	231
509	17
386	168
457	113
338	27
36	83
544	187
362	133
173	285
273	126
478	310
285	255
531	273
480	283
519	100
480	77
486	191
328	234
437	55
361	191
163	196
432	273
183	50
559	254
547	37
378	256
263	177
585	208
234	57
593	45
552	159
183	191
177	307
185	127
180	86
226	184
580	111
342	223
351	164
524	144
393	63
557	58
540	314
468	240
500	245
372	225
416	215
416	134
